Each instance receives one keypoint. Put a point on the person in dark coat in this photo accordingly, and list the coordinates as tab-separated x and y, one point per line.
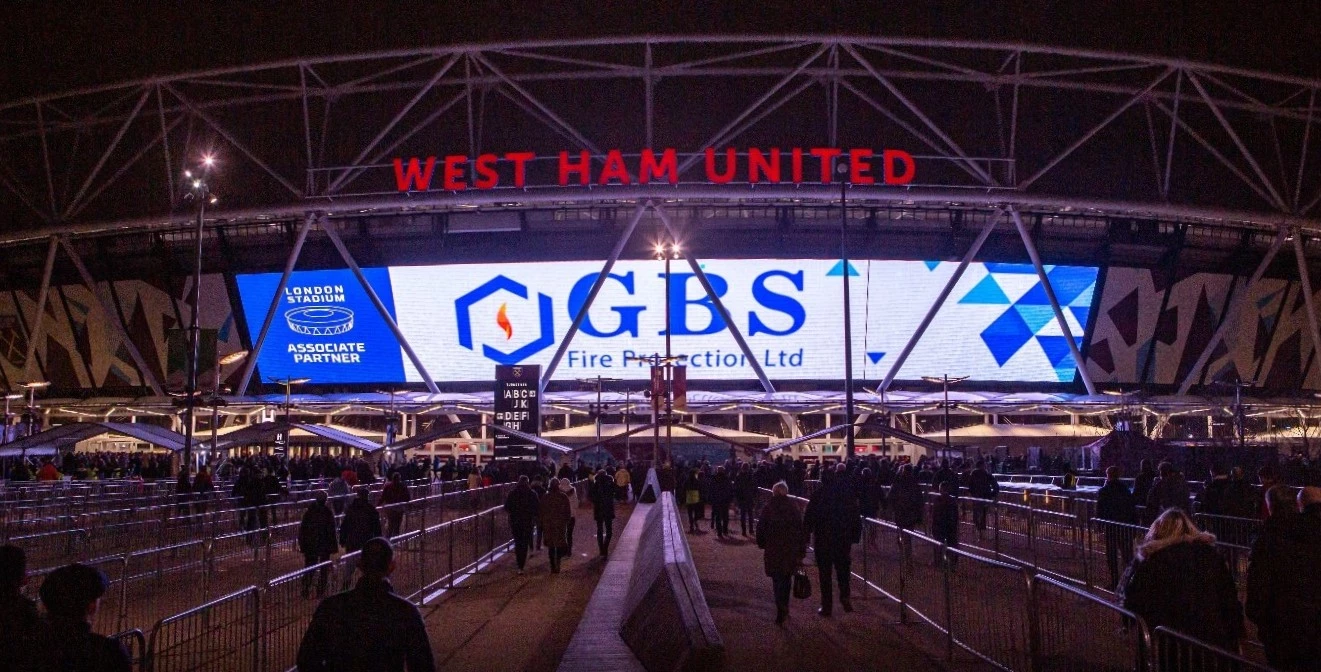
720	493
361	522
692	500
554	512
945	522
1284	589
19	623
603	498
368	628
1142	484
981	485
906	504
1169	490
1178	580
833	520
745	497
1115	504
522	506
72	594
316	541
393	498
781	535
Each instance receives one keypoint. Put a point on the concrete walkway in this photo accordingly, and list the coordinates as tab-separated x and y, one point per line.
739	595
500	620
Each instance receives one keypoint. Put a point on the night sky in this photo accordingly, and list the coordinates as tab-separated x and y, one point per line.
53	46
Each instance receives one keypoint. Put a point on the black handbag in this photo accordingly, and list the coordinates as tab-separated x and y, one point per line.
802	585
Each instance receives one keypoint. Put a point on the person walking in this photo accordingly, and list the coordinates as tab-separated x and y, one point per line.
1142	487
522	506
1284	591
369	628
566	487
982	486
906	503
1115	511
1169	490
782	537
692	499
316	541
603	510
394	497
361	522
622	480
71	595
339	492
945	523
745	497
554	512
1178	580
833	520
720	492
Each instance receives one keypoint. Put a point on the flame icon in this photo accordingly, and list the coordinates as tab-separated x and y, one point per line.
502	319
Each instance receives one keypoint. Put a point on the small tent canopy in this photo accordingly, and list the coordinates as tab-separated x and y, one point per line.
65	437
266	432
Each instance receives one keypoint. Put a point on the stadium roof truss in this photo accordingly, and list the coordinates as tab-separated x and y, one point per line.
1021	135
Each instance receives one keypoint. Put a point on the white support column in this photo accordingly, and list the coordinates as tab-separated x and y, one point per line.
148	374
1306	279
380	307
38	318
1054	303
591	295
251	364
935	306
1228	318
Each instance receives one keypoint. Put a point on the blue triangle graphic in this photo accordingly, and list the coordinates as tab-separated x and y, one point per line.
931	265
1036	317
875	357
838	270
1057	350
986	292
1080	313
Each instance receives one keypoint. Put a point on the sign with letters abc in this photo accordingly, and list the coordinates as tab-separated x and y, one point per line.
518	407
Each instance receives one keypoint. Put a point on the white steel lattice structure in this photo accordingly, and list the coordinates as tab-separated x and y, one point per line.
1064	153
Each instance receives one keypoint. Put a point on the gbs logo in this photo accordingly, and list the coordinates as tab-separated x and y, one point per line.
681	322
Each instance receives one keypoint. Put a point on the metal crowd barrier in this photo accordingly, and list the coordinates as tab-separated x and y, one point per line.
1173	650
147	583
135	643
1013	615
261	627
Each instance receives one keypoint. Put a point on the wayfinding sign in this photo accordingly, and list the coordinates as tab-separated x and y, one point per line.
518	407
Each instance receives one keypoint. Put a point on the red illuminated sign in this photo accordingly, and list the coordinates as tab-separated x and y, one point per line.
754	165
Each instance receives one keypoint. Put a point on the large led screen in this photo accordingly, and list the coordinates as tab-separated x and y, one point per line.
463	319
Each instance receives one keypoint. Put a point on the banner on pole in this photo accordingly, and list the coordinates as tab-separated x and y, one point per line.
657	387
680	387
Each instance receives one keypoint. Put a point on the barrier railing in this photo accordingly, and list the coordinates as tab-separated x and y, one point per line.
1173	650
1077	631
1016	616
135	643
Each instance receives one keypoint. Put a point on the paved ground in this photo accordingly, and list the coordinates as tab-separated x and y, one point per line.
739	594
500	620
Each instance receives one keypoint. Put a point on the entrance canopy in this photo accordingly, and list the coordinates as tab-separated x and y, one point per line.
267	432
65	437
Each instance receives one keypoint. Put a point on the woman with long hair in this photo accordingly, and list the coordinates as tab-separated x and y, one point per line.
1178	580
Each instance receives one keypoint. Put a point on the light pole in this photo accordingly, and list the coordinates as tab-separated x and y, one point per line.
32	388
842	172
4	430
288	384
200	193
945	380
599	383
215	402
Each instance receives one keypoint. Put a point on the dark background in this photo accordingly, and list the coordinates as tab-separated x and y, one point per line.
49	46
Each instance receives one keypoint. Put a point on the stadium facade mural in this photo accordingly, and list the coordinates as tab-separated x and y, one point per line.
1267	341
79	346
